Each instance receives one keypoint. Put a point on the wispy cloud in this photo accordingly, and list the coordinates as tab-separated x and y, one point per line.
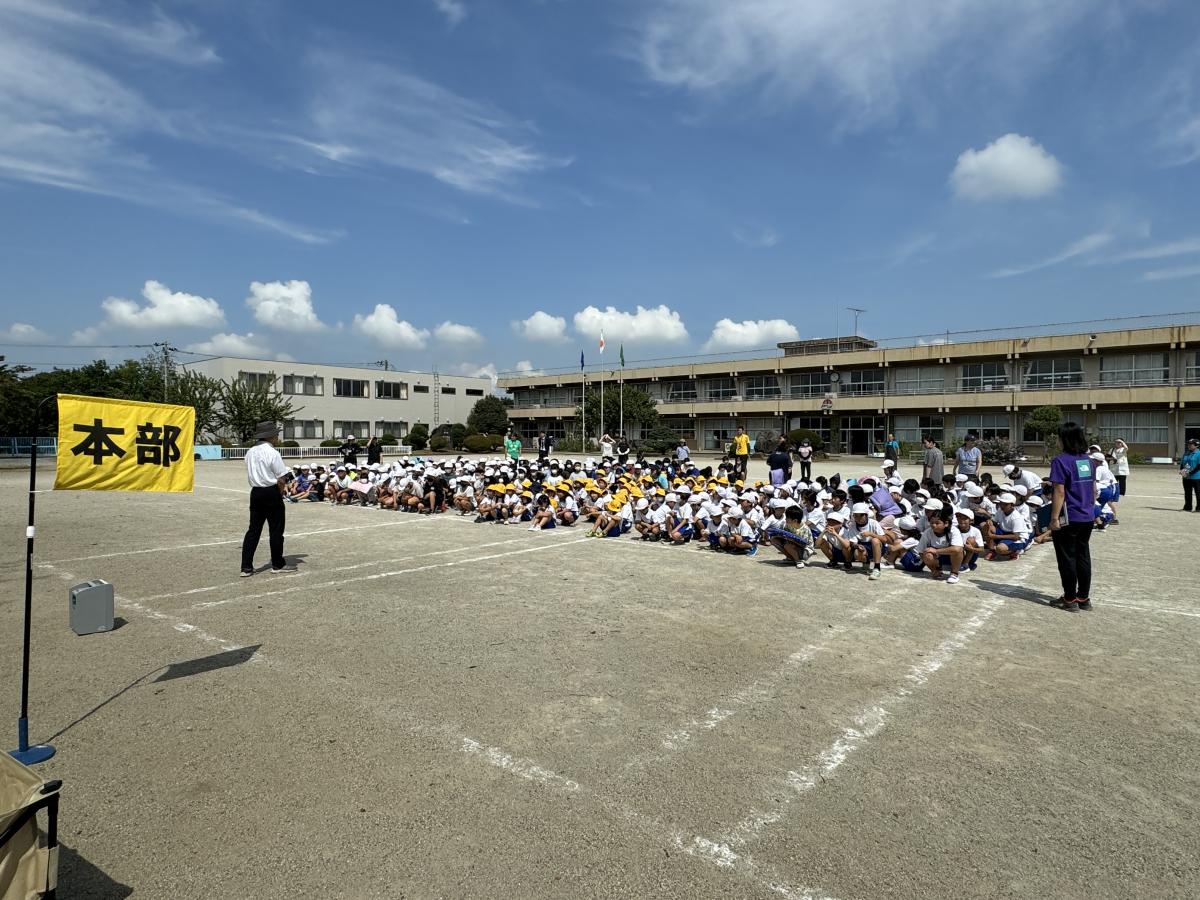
757	236
911	249
67	121
371	113
1082	247
454	11
1183	247
1172	274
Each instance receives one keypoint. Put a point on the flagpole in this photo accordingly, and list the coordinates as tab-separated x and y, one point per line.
583	407
621	388
601	404
39	752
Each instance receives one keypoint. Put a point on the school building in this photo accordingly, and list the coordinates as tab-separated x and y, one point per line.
335	401
1141	385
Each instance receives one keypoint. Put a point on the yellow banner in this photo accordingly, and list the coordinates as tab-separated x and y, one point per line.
124	445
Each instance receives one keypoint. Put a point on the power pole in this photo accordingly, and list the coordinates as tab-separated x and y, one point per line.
857	312
437	399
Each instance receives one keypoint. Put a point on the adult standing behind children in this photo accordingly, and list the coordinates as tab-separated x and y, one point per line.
1072	517
374	451
512	447
934	463
349	451
779	463
267	476
891	450
1120	467
968	459
741	451
804	453
1189	468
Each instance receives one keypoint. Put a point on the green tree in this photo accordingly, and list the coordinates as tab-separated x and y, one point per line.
489	415
244	405
458	434
203	394
1044	421
639	409
418	436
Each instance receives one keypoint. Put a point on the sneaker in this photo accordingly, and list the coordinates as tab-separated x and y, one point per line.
1064	604
874	576
886	565
246	573
953	579
832	564
849	567
1085	604
532	528
281	570
800	565
753	551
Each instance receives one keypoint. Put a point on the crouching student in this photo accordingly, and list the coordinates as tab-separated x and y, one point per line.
1010	533
902	551
941	545
972	540
792	538
831	543
863	539
679	522
614	520
716	526
568	506
739	536
543	514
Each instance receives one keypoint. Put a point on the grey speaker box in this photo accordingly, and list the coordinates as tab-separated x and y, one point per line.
91	607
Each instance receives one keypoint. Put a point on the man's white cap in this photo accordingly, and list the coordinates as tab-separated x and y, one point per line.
643	503
861	509
776	503
974	490
1098	456
836	516
1020	490
896	481
933	505
351	437
1007	498
960	478
921	492
713	509
868	489
672	498
696	499
887	464
966	513
1035	501
735	512
907	522
341	468
1008	470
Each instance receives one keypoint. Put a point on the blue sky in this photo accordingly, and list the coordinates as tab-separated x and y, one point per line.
485	184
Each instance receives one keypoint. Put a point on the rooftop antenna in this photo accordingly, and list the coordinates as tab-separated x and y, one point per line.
857	312
382	362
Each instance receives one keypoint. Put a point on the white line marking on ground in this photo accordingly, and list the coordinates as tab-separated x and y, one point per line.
174	621
344	581
289	537
213	487
522	768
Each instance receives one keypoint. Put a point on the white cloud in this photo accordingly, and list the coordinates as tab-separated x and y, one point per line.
1081	247
750	334
758	237
658	323
472	370
164	309
542	326
20	333
229	344
1172	274
1012	166
284	305
378	114
525	367
454	10
1184	247
387	330
864	60
88	335
454	333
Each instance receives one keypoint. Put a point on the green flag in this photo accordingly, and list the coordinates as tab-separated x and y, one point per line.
622	356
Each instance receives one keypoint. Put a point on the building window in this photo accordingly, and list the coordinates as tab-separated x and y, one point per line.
303	430
1134	427
258	379
1192	374
809	384
358	429
862	381
304	385
1134	368
683	428
1050	373
420	389
983	426
449	390
762	387
391	390
681	392
920	380
719	389
983	377
474	392
350	387
395	429
910	429
716	433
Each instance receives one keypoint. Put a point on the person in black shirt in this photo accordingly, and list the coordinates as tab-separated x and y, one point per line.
623	449
374	451
804	453
349	451
780	463
545	446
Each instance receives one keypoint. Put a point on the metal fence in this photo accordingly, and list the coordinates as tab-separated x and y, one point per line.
19	446
306	452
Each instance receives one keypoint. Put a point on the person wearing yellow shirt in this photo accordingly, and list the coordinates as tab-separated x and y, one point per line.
741	450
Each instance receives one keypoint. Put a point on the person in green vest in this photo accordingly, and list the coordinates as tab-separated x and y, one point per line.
512	446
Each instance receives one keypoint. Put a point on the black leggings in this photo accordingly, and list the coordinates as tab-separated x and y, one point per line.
1121	484
1191	488
1074	554
806	470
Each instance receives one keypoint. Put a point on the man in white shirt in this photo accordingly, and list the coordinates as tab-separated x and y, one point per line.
268	476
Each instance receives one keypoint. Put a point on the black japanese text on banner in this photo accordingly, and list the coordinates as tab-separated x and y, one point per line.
124	445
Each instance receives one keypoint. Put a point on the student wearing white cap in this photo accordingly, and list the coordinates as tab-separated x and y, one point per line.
973	546
941	544
863	538
740	536
1010	534
831	542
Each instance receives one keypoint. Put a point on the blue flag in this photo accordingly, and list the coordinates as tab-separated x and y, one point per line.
580	360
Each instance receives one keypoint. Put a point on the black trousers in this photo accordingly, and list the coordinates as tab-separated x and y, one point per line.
1073	551
806	470
266	505
1121	479
741	463
1191	489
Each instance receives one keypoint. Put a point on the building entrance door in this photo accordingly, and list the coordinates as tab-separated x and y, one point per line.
861	435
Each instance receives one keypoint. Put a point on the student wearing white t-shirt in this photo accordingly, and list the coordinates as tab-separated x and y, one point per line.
972	539
941	544
1011	530
862	538
739	536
